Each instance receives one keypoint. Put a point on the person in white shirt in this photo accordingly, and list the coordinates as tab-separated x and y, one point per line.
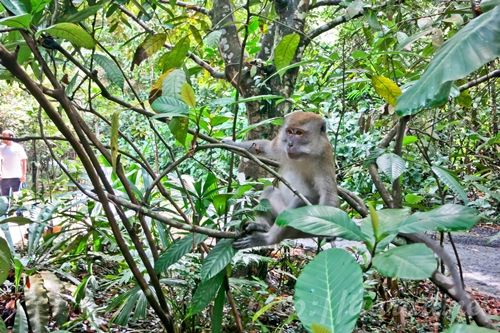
13	163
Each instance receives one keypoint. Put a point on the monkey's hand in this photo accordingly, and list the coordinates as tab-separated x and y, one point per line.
254	239
252	227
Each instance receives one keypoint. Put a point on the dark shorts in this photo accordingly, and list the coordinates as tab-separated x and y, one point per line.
9	185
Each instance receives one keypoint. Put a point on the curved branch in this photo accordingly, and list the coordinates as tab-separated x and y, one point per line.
495	73
325	3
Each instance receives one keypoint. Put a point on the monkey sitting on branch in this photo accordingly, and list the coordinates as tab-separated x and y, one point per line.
306	163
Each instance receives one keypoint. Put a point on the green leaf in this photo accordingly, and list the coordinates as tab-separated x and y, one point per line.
329	292
218	311
212	39
176	56
462	328
178	249
217	259
19	21
84	13
179	127
413	199
386	88
111	69
187	95
205	293
285	50
3	328
449	179
5	260
389	221
392	165
39	5
173	83
21	321
412	262
170	106
17	7
150	45
475	45
321	221
449	217
487	5
71	32
19	220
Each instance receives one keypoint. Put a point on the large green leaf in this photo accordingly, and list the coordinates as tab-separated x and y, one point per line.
178	249
150	45
389	221
462	328
19	21
111	69
217	259
449	179
392	165
21	321
285	50
329	292
470	48
3	328
5	260
17	7
173	83
449	217
176	56
205	293
413	262
169	107
321	221
71	32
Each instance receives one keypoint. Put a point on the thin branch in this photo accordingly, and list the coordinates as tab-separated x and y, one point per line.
470	84
325	3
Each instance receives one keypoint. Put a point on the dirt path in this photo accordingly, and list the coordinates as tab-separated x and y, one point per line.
479	254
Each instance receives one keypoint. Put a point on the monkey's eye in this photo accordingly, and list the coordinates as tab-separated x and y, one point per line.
299	132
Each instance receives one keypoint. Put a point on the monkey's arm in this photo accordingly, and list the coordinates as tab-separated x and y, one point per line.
262	147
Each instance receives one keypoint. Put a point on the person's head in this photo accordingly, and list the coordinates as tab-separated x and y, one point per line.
7	135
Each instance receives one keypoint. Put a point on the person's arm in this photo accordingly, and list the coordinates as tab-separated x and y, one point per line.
24	164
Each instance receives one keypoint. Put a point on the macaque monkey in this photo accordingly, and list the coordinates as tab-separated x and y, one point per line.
306	162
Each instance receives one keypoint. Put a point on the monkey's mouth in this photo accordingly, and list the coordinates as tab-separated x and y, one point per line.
293	154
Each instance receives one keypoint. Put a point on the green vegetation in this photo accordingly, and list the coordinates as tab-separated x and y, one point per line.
133	201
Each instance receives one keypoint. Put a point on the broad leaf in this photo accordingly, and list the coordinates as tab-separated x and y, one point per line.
179	128
412	262
111	69
449	217
389	221
187	95
169	107
475	45
205	293
5	260
19	220
20	21
217	259
3	328
285	50
212	39
462	328
329	292
176	56
71	32
450	181
321	221
17	7
392	165
178	249
173	83
150	45
218	311
37	304
21	321
386	88
84	13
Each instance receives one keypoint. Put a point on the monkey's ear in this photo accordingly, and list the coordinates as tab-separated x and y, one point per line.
323	127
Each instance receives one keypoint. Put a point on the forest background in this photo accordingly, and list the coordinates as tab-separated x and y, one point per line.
133	201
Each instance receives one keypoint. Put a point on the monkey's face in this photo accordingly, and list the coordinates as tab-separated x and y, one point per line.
296	142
